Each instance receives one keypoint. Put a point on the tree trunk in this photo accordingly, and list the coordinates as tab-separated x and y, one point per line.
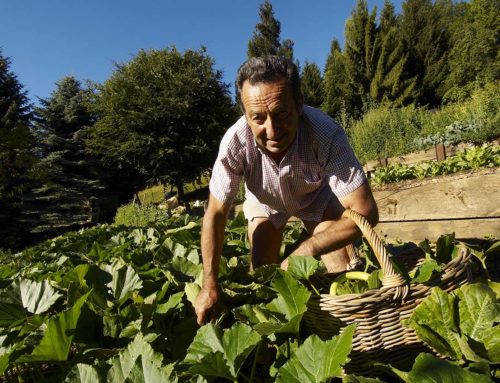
180	190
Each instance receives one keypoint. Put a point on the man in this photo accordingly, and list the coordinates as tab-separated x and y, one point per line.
295	161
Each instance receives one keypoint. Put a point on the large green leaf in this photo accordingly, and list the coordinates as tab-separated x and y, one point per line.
56	341
477	309
138	362
207	340
317	360
174	302
213	365
429	369
444	248
84	373
238	342
435	322
303	267
213	353
292	298
125	280
36	297
492	343
11	314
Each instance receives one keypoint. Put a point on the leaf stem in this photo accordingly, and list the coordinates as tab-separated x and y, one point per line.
314	288
254	363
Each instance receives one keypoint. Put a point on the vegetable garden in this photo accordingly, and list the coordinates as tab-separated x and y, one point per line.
113	303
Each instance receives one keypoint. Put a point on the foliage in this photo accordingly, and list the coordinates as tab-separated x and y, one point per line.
473	57
471	158
336	89
462	325
161	116
114	303
311	85
426	37
15	157
371	70
475	120
70	184
135	214
385	132
120	300
266	37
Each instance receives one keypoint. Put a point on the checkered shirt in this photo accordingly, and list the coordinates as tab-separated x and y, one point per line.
318	162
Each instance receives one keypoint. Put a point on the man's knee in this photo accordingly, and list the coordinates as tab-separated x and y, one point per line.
265	242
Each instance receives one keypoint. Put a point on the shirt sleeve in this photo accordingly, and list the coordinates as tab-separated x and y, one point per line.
342	167
228	168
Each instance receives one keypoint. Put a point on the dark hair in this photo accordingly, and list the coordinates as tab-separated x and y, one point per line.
268	69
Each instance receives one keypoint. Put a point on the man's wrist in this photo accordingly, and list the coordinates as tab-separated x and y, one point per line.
210	283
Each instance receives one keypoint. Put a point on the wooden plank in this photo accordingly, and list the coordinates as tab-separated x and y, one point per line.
418	231
466	195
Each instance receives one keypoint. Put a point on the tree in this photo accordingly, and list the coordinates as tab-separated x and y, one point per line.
360	55
390	84
337	89
71	185
474	57
312	85
15	158
161	116
425	33
266	37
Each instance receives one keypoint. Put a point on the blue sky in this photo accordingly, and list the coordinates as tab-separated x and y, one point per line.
47	40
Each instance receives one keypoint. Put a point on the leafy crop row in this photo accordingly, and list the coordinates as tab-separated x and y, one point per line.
114	304
473	158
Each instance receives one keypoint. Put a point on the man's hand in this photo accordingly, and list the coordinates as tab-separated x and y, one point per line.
207	305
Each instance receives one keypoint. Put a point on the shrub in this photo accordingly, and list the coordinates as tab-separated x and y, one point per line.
385	132
134	214
476	120
388	132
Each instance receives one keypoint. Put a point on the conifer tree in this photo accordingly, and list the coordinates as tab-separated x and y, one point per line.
389	84
337	89
425	33
474	57
266	37
70	185
312	85
360	54
15	158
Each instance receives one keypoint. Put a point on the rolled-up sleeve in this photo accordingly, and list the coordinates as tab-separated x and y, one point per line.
228	168
342	167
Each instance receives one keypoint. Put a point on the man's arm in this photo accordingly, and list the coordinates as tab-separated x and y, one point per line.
337	231
212	239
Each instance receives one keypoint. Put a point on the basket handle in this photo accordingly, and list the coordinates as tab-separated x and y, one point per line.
391	277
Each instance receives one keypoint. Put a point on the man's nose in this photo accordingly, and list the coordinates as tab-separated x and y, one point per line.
273	128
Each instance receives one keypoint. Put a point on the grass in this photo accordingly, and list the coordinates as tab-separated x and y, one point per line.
155	193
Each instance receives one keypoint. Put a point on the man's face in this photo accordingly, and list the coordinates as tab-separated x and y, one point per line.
272	114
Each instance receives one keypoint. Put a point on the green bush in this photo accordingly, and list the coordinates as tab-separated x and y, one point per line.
385	132
134	214
388	132
476	120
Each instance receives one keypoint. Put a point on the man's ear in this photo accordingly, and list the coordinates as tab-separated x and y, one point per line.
300	104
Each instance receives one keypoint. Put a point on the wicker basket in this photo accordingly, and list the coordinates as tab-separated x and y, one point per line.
378	313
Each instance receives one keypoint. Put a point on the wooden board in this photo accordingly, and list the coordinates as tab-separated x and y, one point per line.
418	231
467	195
467	204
